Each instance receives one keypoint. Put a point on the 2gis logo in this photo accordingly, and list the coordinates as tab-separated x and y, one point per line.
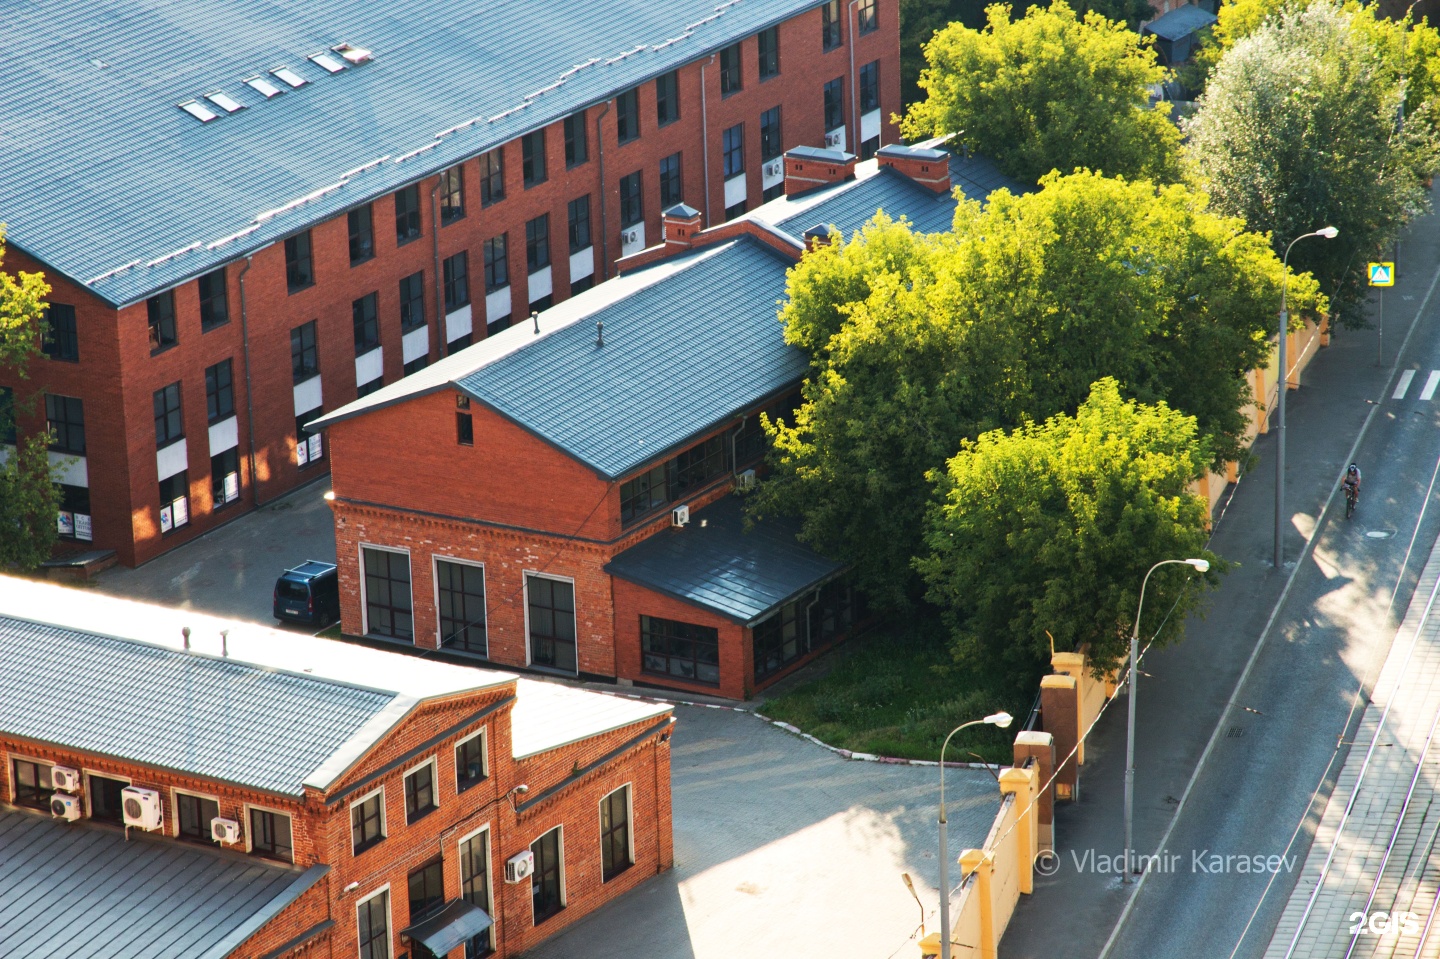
1379	923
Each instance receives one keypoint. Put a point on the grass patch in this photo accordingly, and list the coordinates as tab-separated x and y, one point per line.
330	632
896	691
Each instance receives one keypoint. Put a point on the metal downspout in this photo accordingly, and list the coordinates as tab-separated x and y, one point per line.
604	223
249	393
854	25
705	140
437	332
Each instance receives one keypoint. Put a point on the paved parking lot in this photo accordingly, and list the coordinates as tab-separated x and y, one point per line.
231	571
781	848
785	849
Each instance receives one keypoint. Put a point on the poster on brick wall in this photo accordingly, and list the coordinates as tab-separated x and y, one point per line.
165	524
180	510
316	450
302	452
66	523
232	487
82	527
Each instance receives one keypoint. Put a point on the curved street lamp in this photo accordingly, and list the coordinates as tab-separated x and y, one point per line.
1329	233
1003	721
1203	566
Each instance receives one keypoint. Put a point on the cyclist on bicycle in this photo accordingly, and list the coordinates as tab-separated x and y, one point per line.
1351	484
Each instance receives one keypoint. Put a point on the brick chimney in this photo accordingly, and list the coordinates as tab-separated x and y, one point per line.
807	168
929	168
679	224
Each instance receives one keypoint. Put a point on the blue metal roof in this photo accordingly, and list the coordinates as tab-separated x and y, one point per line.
220	718
716	563
100	170
1180	22
83	891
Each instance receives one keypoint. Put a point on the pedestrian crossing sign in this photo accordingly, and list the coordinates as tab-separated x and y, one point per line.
1382	274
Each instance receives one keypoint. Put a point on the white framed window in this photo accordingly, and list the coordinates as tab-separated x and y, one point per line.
30	782
372	924
367	820
547	882
472	761
475	886
193	812
268	833
422	795
386	600
460	614
550	622
617	839
102	795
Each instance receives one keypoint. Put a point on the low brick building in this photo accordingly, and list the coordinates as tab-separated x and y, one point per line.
288	796
254	219
559	497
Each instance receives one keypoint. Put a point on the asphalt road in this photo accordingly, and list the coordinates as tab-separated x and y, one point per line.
1274	753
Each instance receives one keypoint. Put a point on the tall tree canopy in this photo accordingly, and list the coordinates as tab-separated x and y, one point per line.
920	342
29	498
1053	527
1298	129
1049	91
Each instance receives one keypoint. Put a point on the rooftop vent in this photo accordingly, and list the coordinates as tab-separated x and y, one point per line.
287	76
263	87
354	54
199	111
224	101
327	63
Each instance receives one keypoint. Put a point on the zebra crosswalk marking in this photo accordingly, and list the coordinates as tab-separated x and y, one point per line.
1403	385
1429	391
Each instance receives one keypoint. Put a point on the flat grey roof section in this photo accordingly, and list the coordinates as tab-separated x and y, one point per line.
715	563
82	891
105	178
220	718
1180	22
689	342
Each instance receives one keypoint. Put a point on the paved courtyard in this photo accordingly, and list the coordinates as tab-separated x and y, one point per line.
786	849
231	571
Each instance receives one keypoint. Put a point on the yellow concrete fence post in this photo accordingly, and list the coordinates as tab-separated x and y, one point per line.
1025	785
976	862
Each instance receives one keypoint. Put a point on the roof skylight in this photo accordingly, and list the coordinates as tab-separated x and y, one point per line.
353	54
263	87
288	76
199	111
327	63
224	101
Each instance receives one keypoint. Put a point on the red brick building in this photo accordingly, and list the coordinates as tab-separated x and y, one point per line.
559	497
232	791
250	224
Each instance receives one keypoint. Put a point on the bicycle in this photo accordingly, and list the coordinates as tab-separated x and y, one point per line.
1352	497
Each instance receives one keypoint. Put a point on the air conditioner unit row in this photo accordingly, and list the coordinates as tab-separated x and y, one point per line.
65	779
141	807
629	236
519	866
679	516
832	139
225	830
775	169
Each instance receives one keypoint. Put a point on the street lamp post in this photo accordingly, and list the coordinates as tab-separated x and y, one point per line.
1002	720
1329	233
1203	565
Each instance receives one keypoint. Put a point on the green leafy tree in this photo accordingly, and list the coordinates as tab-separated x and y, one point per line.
1053	527
921	342
29	498
1048	91
1298	129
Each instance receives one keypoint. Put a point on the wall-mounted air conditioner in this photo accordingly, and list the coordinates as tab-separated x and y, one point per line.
745	480
225	830
679	516
775	169
629	236
519	866
65	807
832	139
141	807
65	779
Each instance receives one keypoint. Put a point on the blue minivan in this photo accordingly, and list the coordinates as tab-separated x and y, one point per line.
309	594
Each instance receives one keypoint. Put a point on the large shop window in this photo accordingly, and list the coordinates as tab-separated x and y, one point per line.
74	520
389	610
675	478
783	637
681	650
175	501
552	622
462	606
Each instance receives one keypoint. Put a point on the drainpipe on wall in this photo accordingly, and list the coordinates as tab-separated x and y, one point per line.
854	86
705	139
604	223
249	393
809	637
437	334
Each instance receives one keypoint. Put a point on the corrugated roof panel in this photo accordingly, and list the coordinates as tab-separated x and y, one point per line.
98	168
